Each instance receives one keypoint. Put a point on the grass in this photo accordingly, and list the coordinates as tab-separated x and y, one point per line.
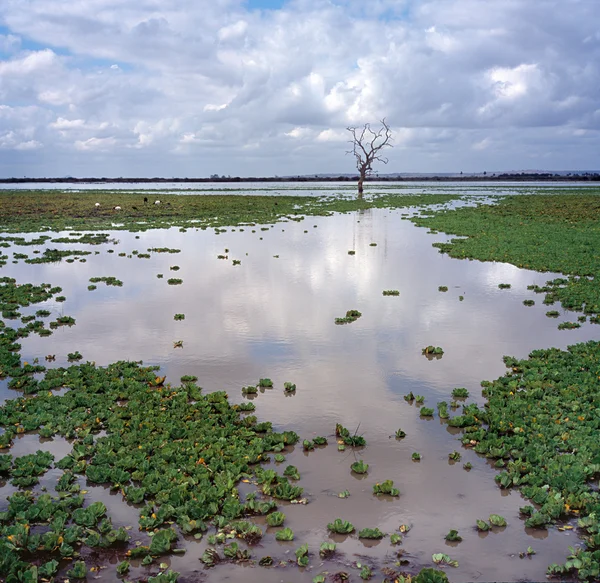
39	210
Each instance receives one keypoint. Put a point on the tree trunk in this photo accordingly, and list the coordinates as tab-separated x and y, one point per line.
360	186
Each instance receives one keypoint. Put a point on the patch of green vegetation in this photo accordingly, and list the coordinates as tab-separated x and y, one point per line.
174	281
443	288
416	456
528	302
351	316
340	526
372	533
454	456
302	555
391	292
108	280
553	232
453	536
179	317
432	350
349	439
289	387
386	487
265	383
55	256
504	286
275	518
360	467
426	412
327	549
569	325
285	534
400	434
29	211
460	393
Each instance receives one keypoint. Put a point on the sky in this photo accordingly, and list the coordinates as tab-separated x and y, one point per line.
191	88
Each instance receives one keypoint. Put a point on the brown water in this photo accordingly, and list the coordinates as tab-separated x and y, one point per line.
274	317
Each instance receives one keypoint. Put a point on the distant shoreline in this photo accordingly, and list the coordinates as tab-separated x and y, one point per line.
520	177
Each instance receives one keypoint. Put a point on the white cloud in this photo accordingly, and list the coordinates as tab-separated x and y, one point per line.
180	79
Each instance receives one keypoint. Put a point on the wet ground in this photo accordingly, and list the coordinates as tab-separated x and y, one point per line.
273	316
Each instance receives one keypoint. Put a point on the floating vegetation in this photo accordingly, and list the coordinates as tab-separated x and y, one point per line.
443	559
420	399
72	356
275	518
400	434
426	412
237	261
372	533
351	316
409	397
302	555
497	520
344	494
163	250
92	287
442	408
395	538
340	526
569	325
504	286
386	487
391	292
453	536
320	440
351	252
528	303
265	383
289	387
55	256
443	288
308	445
348	439
174	268
159	275
432	350
250	390
110	280
372	244
327	549
178	344
285	534
179	317
482	525
461	298
454	456
416	456
460	393
360	467
174	281
468	466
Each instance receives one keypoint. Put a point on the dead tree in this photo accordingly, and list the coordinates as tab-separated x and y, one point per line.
367	145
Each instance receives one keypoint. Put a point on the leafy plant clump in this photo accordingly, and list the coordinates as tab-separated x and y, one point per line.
391	292
386	487
108	280
552	314
327	549
289	387
416	456
371	533
349	439
285	534
454	456
497	520
265	383
569	325
179	317
443	288
302	555
174	281
528	303
340	526
351	316
360	467
453	536
433	350
504	286
275	518
460	393
400	434
426	412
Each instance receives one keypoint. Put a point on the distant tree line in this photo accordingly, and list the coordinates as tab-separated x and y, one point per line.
509	177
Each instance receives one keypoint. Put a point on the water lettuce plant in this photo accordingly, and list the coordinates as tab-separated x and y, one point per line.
433	350
453	536
340	526
426	412
360	467
460	393
400	434
528	303
454	456
351	316
443	288
372	533
386	487
285	534
275	518
416	456
289	387
497	520
441	558
265	383
504	286
174	281
391	292
327	549
349	439
302	555
179	317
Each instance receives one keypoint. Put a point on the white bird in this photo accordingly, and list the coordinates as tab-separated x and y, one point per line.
97	205
117	208
157	202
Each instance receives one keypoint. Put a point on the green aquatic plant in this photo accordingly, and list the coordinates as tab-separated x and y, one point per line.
289	387
179	317
420	399
351	316
482	525
302	555
416	456
409	397
569	325
74	356
371	533
442	408
174	268
454	456
320	440
386	487
340	526
460	393
468	466
308	445
327	549
552	314
400	434
528	303
395	538
353	440
453	536
360	467
174	281
391	292
432	350
497	520
441	558
92	287
275	518
265	383
292	472
351	252
443	288
504	286
237	261
285	534
461	298
249	390
344	494
426	412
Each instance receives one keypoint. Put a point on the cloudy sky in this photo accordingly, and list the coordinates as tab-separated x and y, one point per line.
267	87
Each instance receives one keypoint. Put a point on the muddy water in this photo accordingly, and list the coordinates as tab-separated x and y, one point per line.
273	316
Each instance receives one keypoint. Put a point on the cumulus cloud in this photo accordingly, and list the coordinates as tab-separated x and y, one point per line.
197	87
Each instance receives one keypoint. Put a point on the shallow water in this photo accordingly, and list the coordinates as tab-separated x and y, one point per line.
274	317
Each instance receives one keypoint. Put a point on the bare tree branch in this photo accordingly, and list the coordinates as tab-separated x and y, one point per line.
366	149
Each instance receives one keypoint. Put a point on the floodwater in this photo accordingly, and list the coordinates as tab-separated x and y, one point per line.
273	316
